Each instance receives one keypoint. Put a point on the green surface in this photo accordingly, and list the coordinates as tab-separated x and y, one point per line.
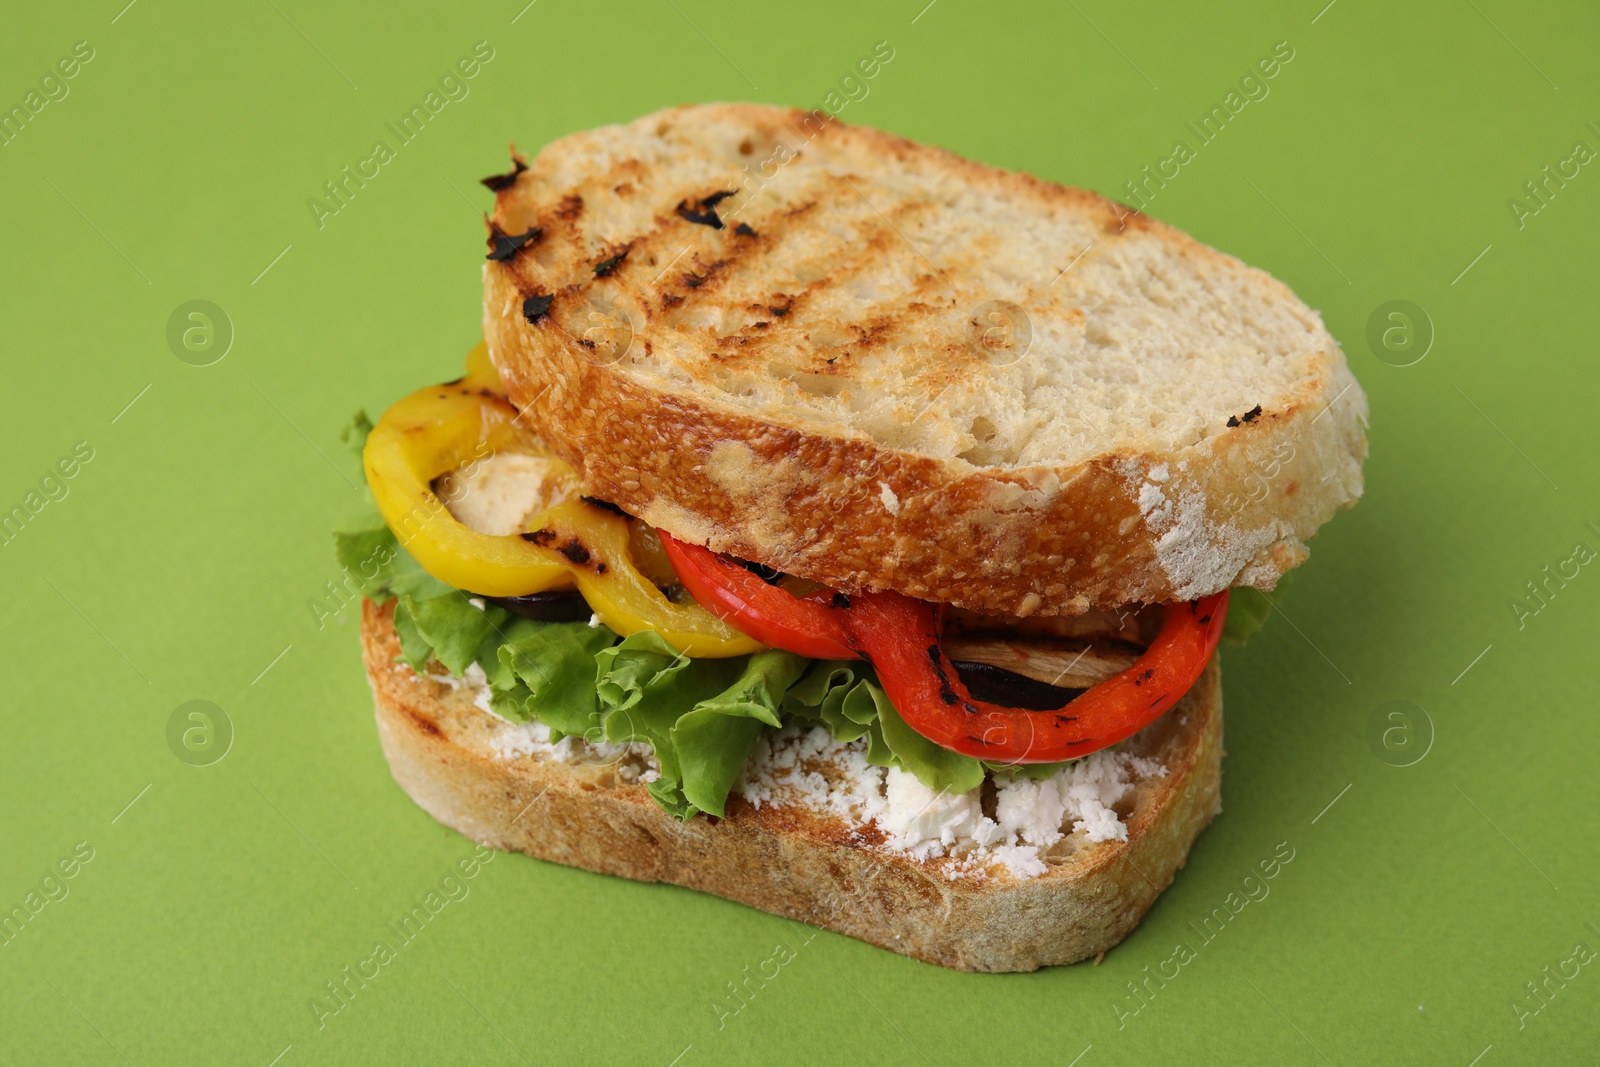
219	899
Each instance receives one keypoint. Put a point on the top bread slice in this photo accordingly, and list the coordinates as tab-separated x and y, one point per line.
875	364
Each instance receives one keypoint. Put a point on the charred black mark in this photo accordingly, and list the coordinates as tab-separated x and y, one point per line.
500	182
840	600
573	548
1249	416
505	245
600	568
744	230
704	212
780	310
702	218
1205	619
767	574
536	307
607	267
603	505
694	281
947	692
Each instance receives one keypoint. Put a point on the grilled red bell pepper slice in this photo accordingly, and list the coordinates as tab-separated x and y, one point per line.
900	637
809	626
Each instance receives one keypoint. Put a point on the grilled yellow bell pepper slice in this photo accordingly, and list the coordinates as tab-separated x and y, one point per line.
481	371
445	427
596	543
432	432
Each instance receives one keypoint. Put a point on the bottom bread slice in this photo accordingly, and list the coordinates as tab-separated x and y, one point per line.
789	859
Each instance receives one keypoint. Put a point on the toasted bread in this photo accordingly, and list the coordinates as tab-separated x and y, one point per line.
788	859
876	364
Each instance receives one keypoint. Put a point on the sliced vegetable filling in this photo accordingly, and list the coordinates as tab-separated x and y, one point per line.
623	609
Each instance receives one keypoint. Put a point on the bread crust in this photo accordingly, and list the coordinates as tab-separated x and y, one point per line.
790	861
1234	507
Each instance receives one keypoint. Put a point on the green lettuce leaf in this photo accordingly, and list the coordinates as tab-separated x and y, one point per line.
713	740
414	648
367	557
379	567
1037	771
452	626
354	435
645	686
515	704
1248	609
937	768
554	664
835	694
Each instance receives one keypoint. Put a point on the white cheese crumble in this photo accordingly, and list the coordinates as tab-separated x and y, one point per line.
473	679
808	768
513	739
533	739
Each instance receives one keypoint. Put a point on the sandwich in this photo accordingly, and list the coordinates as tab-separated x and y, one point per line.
845	528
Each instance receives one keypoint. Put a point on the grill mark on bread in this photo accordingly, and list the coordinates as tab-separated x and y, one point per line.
702	210
504	246
422	722
607	267
1250	416
536	307
499	183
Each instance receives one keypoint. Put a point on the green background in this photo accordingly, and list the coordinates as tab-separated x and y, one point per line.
181	564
